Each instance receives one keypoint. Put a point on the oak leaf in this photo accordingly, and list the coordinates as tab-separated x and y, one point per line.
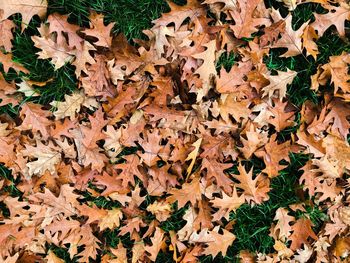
229	105
309	44
292	40
58	23
283	228
336	16
60	54
279	83
215	172
207	69
35	119
247	18
226	204
231	82
178	13
190	192
157	243
47	157
99	30
27	8
6	27
72	105
193	155
7	63
255	190
302	231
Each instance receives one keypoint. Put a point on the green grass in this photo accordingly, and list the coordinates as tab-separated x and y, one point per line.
253	224
130	17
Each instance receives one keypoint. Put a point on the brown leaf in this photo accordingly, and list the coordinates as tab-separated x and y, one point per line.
6	27
302	231
247	18
309	36
255	190
99	30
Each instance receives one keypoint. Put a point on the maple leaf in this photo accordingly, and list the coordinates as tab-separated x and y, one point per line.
254	190
99	30
27	8
292	40
302	231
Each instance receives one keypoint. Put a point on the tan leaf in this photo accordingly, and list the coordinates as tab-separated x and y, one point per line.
193	155
27	8
47	157
309	36
292	40
226	204
157	242
72	105
279	83
111	220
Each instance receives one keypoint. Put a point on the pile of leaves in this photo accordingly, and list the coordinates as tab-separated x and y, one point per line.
168	141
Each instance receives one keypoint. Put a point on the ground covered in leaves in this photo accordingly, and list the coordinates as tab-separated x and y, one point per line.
198	131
